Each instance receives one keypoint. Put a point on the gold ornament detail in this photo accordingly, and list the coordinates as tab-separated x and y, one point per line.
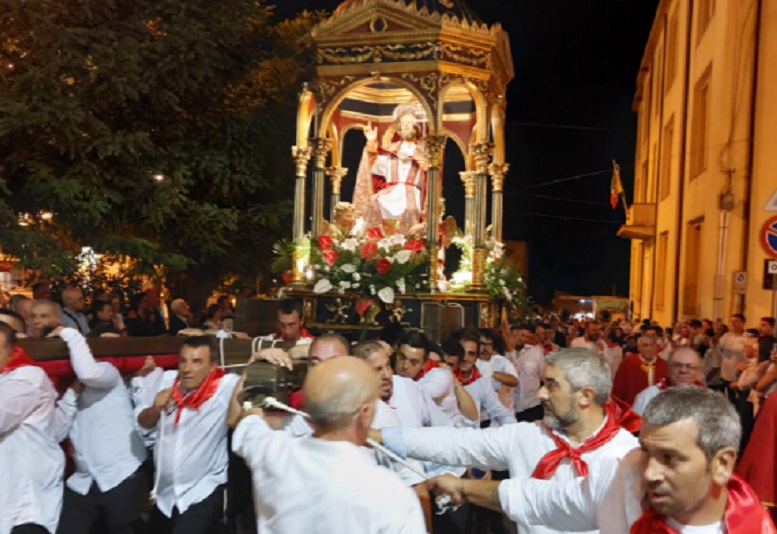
481	152
321	147
336	175
498	172
301	155
435	144
468	179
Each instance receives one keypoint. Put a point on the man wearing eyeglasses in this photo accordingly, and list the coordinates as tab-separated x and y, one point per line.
685	369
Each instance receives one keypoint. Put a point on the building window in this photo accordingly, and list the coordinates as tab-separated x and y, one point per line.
693	241
651	189
671	52
663	243
700	130
665	172
706	9
657	81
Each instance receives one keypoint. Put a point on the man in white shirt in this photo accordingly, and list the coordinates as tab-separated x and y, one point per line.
731	349
530	363
31	461
325	483
413	362
73	310
577	429
291	328
682	478
685	369
461	355
500	369
108	449
189	417
592	340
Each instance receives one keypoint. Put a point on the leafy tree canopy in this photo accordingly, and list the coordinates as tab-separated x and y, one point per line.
154	129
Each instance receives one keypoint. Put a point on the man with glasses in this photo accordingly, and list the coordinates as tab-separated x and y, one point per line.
685	369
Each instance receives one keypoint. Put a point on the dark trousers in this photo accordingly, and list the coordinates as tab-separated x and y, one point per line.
29	528
204	517
119	507
531	414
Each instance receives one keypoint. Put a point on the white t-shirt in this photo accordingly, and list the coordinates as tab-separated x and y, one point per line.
714	528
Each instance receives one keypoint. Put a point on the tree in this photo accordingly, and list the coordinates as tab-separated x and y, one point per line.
157	130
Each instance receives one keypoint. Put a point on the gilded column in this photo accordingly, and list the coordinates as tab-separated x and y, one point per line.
320	147
301	155
497	172
434	149
468	179
481	153
336	175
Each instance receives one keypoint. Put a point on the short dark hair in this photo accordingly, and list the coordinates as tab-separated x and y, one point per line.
739	316
212	310
416	340
657	329
468	334
222	298
99	305
452	347
486	333
768	320
195	342
695	323
365	349
9	334
289	306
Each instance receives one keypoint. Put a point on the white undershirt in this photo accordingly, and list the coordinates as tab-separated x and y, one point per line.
714	528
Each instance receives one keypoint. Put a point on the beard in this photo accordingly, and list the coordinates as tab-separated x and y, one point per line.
559	422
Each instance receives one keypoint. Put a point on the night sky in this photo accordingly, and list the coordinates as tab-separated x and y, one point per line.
569	114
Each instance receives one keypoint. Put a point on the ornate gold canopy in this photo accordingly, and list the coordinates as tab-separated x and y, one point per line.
373	55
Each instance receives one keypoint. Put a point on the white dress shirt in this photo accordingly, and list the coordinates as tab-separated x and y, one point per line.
318	486
644	397
31	461
530	365
191	459
517	448
108	448
499	364
438	384
732	352
488	405
414	406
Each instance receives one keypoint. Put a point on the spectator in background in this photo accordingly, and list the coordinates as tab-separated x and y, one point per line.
225	303
73	310
14	320
21	305
766	338
105	322
180	316
145	320
44	318
41	291
212	319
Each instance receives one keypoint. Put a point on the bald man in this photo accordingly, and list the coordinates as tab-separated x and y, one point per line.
685	369
326	482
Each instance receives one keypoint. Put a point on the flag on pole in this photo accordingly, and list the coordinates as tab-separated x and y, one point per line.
616	188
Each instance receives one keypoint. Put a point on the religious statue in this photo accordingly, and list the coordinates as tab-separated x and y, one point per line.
391	182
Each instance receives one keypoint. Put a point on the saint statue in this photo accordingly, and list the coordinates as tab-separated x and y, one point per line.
344	224
391	183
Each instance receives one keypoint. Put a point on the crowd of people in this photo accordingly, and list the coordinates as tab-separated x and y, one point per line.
534	427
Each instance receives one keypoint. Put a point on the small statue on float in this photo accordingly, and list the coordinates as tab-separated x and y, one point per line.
344	222
391	182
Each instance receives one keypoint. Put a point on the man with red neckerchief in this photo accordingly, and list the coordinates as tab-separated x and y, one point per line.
31	461
680	482
189	418
578	427
291	326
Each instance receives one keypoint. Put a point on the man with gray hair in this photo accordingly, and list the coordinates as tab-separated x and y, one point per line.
685	369
579	426
681	480
73	312
325	482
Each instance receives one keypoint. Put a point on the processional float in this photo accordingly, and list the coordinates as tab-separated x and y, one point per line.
382	65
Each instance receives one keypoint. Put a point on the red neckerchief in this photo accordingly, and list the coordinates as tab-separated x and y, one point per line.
744	514
623	415
550	462
19	358
467	381
303	334
548	347
664	384
428	366
197	398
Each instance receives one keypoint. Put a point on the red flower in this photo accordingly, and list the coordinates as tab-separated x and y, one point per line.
286	277
362	306
384	266
369	250
330	256
414	245
374	234
325	242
